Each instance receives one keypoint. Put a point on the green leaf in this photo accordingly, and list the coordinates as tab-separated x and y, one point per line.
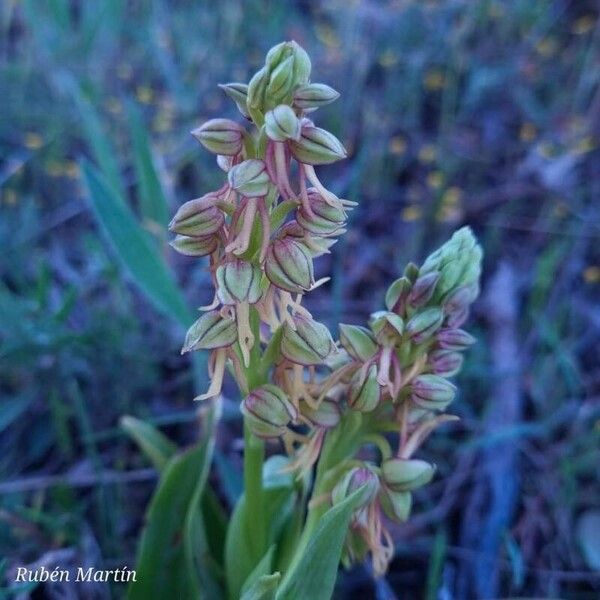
157	447
134	249
588	536
264	588
153	200
314	571
262	568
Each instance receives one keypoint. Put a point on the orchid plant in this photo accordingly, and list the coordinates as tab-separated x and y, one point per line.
342	421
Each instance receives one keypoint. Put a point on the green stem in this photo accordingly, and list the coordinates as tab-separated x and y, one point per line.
254	456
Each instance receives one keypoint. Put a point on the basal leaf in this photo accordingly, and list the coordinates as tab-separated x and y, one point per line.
157	447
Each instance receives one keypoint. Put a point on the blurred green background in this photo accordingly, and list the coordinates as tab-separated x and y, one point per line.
484	113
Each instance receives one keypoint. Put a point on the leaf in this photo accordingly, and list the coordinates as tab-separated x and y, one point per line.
314	571
262	568
240	559
157	447
133	247
264	588
588	535
153	200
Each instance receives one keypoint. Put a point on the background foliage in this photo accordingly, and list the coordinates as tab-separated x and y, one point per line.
478	112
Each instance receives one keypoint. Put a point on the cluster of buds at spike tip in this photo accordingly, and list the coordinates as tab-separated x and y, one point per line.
261	232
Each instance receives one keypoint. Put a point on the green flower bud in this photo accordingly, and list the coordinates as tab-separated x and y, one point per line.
327	415
197	218
311	96
309	343
357	341
325	219
221	136
424	324
250	178
445	363
210	331
281	82
289	266
353	480
387	327
238	281
194	246
268	411
397	294
317	146
411	272
365	393
256	91
460	298
282	124
396	505
403	475
454	339
300	68
238	92
423	289
432	392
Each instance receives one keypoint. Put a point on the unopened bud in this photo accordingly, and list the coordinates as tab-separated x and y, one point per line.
325	218
194	246
221	136
423	288
353	480
317	147
424	324
387	327
289	266
238	281
250	178
405	475
311	96
365	393
210	331
282	124
397	294
307	343
460	298
326	415
238	92
432	392
278	62
357	341
396	505
411	272
268	411
197	218
445	363
454	339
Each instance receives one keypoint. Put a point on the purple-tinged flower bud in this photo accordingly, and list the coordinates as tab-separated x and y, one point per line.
458	318
282	124
311	96
197	218
423	289
310	343
194	246
353	480
445	363
432	392
327	415
221	136
317	147
397	294
460	298
424	324
268	411
289	266
365	393
396	505
209	332
454	339
405	475
238	92
387	327
249	178
325	218
238	281
357	341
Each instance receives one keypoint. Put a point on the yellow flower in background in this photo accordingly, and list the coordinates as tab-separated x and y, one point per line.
591	274
114	106
434	80
585	145
327	35
388	59
528	132
452	196
547	47
33	141
584	24
427	153
411	213
397	145
435	180
144	94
